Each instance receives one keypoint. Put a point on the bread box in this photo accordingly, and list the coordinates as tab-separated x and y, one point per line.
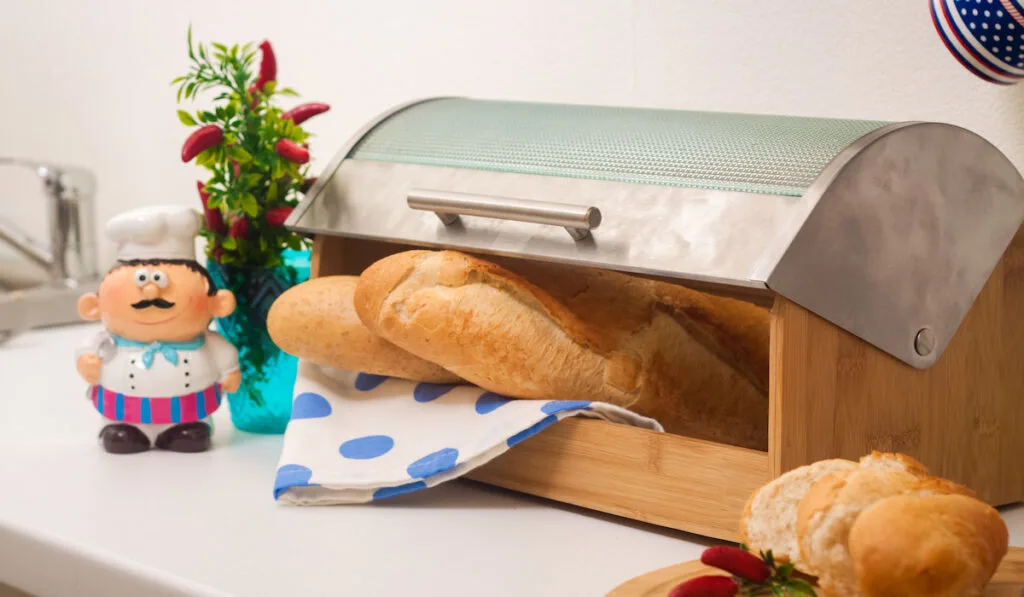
888	254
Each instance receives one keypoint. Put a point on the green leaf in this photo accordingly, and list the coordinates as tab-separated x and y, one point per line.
234	52
220	47
294	242
240	155
207	158
190	53
190	88
252	180
777	591
180	89
269	87
784	570
288	91
225	258
249	205
272	191
202	52
178	80
799	588
263	244
229	243
186	118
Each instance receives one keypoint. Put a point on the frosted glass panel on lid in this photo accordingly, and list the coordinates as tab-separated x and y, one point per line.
777	155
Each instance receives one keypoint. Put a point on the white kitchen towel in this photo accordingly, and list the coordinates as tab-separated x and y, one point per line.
356	438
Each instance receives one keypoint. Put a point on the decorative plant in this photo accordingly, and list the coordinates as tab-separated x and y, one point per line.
257	157
256	152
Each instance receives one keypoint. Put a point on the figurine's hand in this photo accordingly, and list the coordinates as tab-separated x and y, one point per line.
231	381
89	366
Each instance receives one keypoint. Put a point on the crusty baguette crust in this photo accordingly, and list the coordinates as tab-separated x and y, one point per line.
316	321
894	461
533	330
935	546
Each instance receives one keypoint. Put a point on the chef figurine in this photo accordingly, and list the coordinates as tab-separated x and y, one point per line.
156	372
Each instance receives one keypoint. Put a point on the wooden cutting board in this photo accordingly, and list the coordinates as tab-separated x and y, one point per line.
1007	582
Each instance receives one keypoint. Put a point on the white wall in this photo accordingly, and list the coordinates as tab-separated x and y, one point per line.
87	82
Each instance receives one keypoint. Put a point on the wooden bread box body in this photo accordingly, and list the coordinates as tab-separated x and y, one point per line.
831	396
951	395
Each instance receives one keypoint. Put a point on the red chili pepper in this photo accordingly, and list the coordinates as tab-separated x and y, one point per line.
200	140
292	151
214	219
706	586
736	561
239	228
268	66
277	216
235	168
218	252
304	112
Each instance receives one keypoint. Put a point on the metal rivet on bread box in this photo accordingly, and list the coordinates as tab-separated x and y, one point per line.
888	252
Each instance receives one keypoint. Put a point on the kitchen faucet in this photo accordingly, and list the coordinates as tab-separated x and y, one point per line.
68	259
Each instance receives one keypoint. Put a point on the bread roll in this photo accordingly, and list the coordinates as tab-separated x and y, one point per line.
769	518
936	546
315	321
697	363
829	510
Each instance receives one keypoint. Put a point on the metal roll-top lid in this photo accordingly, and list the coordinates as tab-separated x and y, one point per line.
888	230
777	155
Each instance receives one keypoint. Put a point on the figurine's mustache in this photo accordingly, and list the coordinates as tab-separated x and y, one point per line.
159	303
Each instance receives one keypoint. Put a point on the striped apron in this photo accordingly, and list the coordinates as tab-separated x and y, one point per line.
186	408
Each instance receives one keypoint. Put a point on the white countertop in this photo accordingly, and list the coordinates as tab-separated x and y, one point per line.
77	521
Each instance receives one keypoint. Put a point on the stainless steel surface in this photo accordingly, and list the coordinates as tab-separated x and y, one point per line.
578	220
29	247
339	156
905	231
898	234
697	234
68	258
70	253
924	342
42	306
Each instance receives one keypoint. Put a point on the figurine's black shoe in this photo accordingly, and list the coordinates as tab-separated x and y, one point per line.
187	437
119	438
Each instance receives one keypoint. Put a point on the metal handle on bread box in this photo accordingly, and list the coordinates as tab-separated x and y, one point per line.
577	220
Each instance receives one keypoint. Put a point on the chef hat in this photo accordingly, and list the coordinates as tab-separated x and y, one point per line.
157	232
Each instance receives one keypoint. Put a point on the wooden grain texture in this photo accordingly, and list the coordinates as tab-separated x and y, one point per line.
833	395
664	479
336	255
1007	582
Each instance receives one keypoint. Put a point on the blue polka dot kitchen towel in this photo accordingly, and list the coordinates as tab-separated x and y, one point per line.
356	438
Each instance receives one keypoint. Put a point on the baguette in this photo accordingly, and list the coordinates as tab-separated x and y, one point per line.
316	321
696	363
934	546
